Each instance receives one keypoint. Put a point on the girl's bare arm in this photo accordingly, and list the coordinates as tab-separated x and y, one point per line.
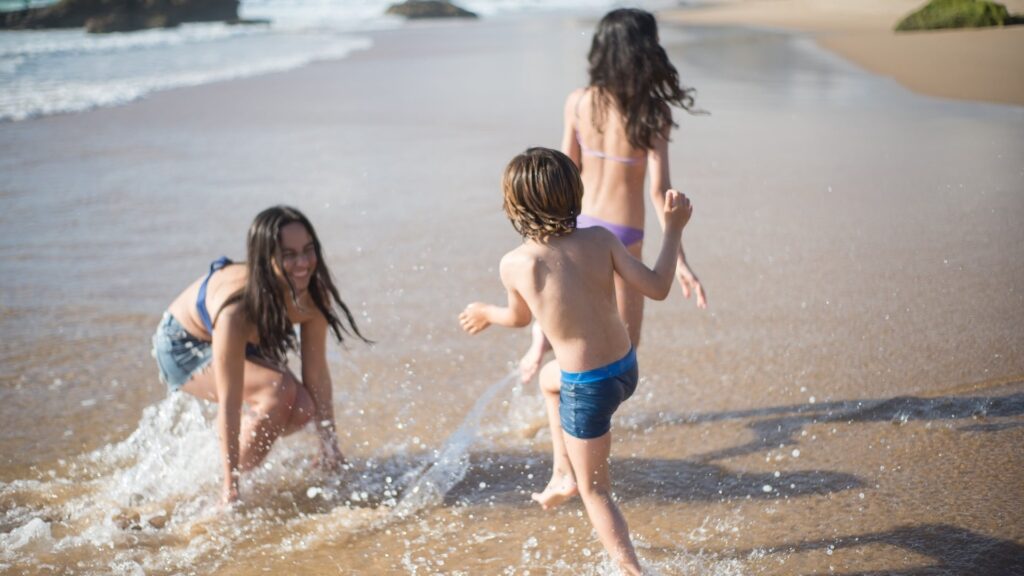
570	145
316	377
229	338
658	163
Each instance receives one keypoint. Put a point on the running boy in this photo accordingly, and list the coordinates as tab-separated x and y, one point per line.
564	277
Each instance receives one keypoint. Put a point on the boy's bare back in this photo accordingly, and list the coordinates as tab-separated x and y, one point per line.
568	285
565	276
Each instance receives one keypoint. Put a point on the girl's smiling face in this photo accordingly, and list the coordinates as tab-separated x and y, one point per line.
298	256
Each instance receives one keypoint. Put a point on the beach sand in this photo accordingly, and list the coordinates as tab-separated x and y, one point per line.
972	64
851	403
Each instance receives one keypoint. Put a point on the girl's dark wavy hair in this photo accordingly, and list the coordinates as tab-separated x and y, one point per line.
263	297
632	71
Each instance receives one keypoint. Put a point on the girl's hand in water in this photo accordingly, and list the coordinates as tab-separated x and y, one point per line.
474	318
331	459
229	498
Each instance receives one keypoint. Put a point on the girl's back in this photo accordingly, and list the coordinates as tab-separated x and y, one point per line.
612	170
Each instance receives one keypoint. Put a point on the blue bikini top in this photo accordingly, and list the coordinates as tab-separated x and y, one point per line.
204	314
251	350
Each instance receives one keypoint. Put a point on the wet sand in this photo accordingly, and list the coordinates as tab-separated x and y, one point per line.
971	64
853	401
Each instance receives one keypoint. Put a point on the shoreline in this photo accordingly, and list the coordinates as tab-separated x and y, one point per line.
962	64
866	301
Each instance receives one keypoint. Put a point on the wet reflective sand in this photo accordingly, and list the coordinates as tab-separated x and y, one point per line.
853	401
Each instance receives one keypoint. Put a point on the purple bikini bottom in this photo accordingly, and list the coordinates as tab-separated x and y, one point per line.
625	234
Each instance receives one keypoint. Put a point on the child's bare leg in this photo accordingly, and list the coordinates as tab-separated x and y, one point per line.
590	461
530	363
279	403
562	485
273	399
303	411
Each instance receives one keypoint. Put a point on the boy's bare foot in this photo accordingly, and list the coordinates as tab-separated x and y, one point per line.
558	491
530	363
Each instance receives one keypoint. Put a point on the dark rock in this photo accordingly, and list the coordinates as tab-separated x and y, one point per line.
125	21
939	14
415	9
120	15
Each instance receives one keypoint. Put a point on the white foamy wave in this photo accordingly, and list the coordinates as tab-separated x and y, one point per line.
173	441
318	15
348	12
34	535
68	42
166	468
29	97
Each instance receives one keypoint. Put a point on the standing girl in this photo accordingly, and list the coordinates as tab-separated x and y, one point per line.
616	129
226	337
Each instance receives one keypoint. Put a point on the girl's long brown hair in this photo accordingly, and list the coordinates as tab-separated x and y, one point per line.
263	297
631	70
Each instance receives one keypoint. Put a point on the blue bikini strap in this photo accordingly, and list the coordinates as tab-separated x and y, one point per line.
204	314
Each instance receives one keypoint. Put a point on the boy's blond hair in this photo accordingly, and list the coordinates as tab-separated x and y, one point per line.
543	193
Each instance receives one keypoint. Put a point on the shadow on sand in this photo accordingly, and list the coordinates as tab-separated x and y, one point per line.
955	551
504	479
780	425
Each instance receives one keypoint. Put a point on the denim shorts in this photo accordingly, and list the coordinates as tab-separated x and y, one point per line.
179	355
588	399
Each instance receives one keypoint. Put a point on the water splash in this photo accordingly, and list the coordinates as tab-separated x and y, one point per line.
434	479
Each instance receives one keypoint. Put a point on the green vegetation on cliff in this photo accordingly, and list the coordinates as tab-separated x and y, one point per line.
956	14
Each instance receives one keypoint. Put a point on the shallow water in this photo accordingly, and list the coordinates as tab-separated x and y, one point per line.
852	402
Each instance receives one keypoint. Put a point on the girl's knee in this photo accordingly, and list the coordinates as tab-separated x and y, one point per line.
277	398
302	410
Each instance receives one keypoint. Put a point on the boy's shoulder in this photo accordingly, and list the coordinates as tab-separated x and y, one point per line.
518	263
518	257
595	237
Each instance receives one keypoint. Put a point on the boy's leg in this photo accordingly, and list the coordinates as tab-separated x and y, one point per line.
563	482
590	461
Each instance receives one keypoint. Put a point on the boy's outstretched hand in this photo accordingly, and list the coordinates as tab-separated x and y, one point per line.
474	318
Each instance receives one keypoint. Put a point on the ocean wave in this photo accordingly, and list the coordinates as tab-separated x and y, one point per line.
69	42
29	97
11	65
